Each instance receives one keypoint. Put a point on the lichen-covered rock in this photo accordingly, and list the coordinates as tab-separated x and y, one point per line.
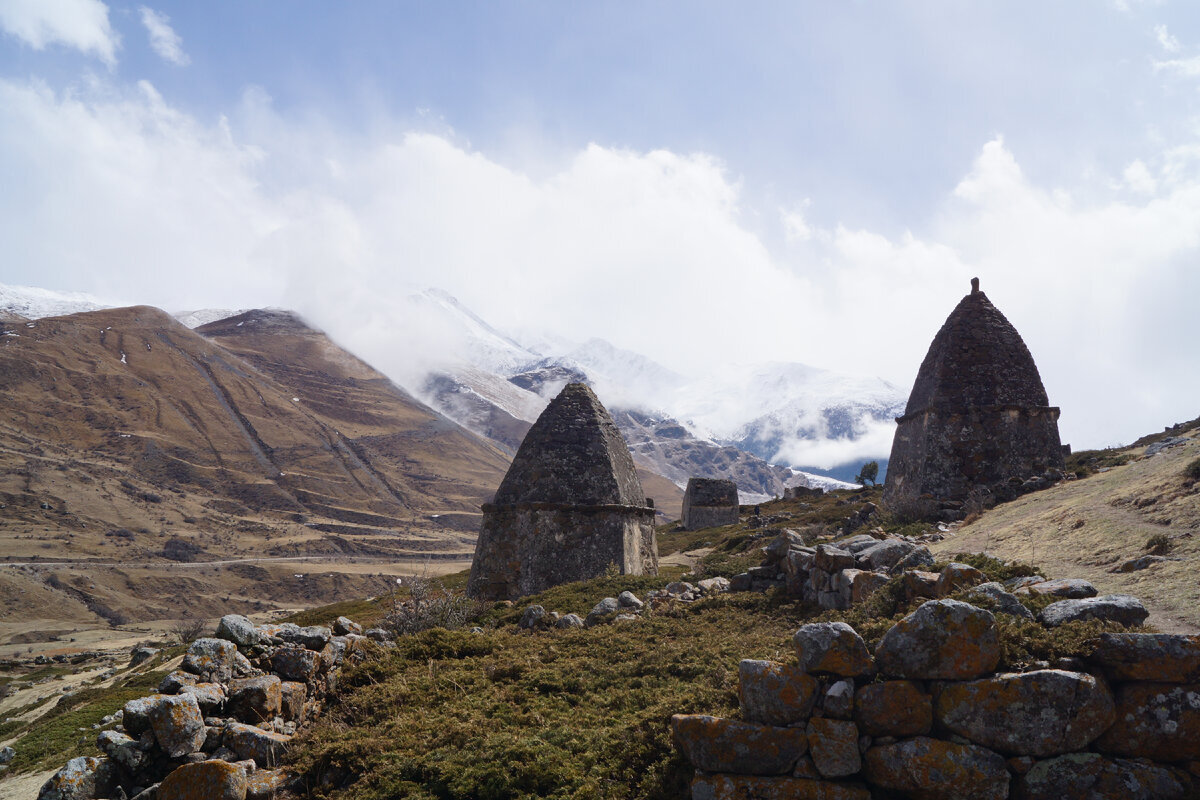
1161	657
937	770
239	630
1120	608
918	583
256	699
1043	713
775	694
942	639
1005	602
569	621
838	701
121	750
266	748
893	708
717	585
833	747
601	612
292	695
265	784
210	696
955	577
211	659
343	626
628	599
714	744
1090	776
296	663
1069	588
82	778
834	648
177	723
750	787
831	558
883	555
135	714
1160	721
534	618
205	780
175	682
312	637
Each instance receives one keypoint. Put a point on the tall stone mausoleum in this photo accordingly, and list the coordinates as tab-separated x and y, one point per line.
709	502
978	415
570	505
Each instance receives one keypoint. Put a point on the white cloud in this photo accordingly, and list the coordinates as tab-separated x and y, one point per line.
163	38
1183	67
116	192
1138	178
82	24
1165	40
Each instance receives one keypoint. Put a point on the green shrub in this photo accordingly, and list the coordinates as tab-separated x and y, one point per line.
1159	544
1192	472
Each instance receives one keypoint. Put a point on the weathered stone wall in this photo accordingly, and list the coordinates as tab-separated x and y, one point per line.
708	503
927	715
986	447
539	545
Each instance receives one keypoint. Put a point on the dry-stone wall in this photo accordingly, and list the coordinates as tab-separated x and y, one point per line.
219	725
709	503
926	715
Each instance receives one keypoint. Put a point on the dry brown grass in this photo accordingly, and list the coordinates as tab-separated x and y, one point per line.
1084	528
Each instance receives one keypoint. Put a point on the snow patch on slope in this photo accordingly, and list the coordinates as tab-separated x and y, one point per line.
31	302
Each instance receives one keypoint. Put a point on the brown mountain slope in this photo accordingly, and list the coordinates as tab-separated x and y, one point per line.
127	439
1087	528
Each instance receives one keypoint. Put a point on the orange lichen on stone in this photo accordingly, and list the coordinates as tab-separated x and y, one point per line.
748	787
207	780
893	708
714	744
1160	721
774	693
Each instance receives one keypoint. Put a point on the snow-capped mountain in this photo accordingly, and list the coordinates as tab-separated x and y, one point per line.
760	424
30	302
203	316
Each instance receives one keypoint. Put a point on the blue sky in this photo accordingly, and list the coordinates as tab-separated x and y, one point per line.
794	181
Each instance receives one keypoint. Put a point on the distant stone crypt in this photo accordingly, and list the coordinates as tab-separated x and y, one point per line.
570	505
978	415
709	502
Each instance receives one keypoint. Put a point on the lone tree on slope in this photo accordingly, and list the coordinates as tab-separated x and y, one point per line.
869	472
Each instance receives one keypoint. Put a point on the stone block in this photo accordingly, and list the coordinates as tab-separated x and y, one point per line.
955	577
206	780
714	744
256	699
833	747
1090	776
266	748
1159	721
1042	713
1157	657
775	694
941	640
833	648
1120	608
936	770
893	708
177	723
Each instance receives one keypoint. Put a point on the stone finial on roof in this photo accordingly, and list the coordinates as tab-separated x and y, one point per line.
974	285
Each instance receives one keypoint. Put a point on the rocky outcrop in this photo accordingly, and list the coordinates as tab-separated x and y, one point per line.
219	727
570	506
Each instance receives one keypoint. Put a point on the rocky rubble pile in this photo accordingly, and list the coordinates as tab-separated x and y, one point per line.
927	715
219	725
626	607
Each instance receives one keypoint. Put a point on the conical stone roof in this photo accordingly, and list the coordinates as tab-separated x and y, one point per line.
977	360
573	455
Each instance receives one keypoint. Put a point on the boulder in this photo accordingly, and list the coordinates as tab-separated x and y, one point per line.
1140	563
135	714
838	701
778	548
605	609
175	682
915	560
937	770
834	648
1043	713
745	787
343	626
1120	608
266	784
717	585
240	630
1162	657
941	640
256	699
893	708
312	637
917	583
292	695
206	780
211	659
628	599
775	694
955	577
1070	588
1090	776
713	744
534	618
883	555
1005	602
830	558
142	654
82	778
1160	721
833	747
569	621
210	697
266	748
121	750
177	723
296	663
